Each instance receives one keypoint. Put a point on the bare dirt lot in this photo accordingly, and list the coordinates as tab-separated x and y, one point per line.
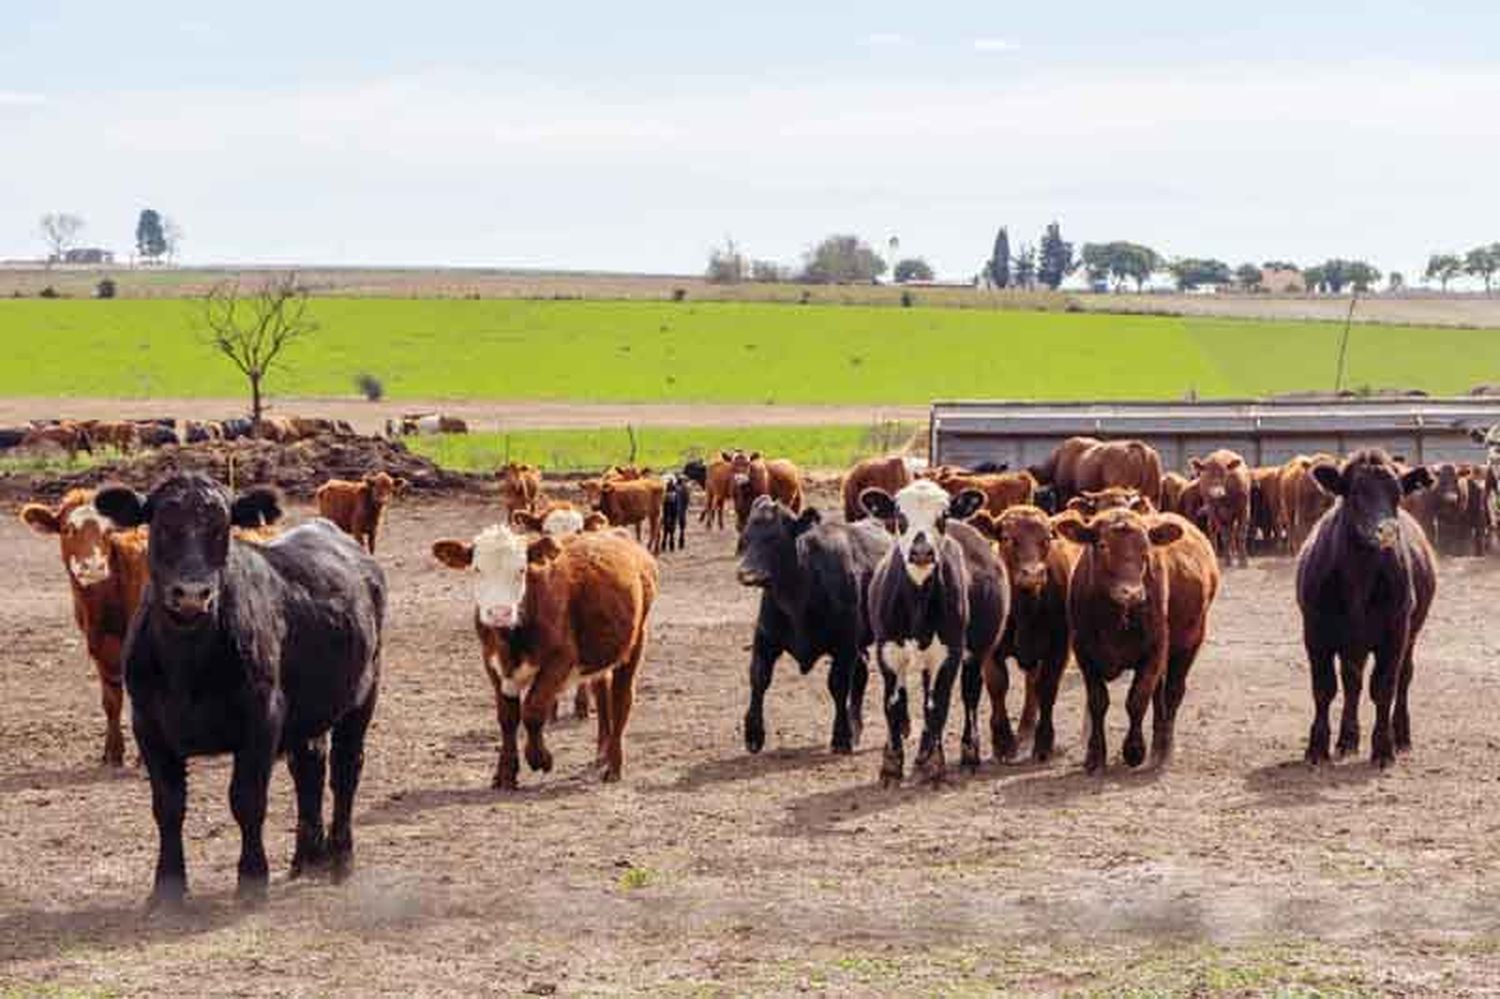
708	871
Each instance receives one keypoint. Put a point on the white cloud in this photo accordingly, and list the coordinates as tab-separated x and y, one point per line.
883	39
15	98
995	45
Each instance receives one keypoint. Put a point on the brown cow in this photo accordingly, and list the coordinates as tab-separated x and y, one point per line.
628	502
107	573
69	436
1085	464
890	473
275	428
755	476
1266	521
552	611
1450	513
520	487
1302	501
1095	502
1002	490
1224	479
1036	633
358	507
1139	600
716	478
1173	485
121	435
1060	470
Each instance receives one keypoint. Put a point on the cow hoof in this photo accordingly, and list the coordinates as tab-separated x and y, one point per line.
755	736
1093	763
539	759
933	767
168	896
1133	752
856	732
505	776
841	747
968	760
611	775
311	854
252	891
892	769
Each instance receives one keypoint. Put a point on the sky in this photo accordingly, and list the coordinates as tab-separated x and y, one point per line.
635	137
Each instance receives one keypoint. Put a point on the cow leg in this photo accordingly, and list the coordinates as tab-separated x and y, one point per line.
1351	670
622	698
248	785
838	689
935	715
308	764
1242	533
859	679
534	713
971	685
1098	698
1027	728
1166	701
508	711
602	701
168	773
348	761
1142	690
581	699
1383	682
996	677
112	697
1401	722
1324	685
763	655
1048	677
897	718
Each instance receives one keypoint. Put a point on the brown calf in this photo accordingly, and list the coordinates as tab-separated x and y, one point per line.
107	573
755	476
1138	600
520	487
1085	464
71	437
118	434
1095	502
359	507
890	473
1224	479
1002	490
628	502
1173	485
1266	521
551	611
1302	500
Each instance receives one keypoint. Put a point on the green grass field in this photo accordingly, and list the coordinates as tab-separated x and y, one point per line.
722	352
659	448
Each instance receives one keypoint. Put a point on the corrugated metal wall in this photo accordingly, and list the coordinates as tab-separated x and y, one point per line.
1265	432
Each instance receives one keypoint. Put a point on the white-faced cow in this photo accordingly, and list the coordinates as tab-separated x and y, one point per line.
253	650
812	577
939	599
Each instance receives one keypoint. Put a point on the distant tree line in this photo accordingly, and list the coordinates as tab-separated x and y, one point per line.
157	239
836	259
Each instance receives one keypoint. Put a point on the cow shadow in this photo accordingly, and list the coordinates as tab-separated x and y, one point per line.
748	766
405	807
82	775
1057	782
30	934
1295	784
843	811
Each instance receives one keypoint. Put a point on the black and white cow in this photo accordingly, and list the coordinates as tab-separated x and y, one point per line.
813	578
250	649
674	511
939	600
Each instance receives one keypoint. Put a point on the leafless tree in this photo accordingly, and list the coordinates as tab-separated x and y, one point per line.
252	328
60	230
173	233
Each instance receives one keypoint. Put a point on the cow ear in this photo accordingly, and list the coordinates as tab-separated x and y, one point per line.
809	519
725	456
1235	462
1081	504
878	503
1075	530
987	524
595	522
1195	464
1165	532
256	507
755	456
526	521
40	519
543	550
1418	478
453	554
965	503
1141	504
1330	479
123	506
1478	436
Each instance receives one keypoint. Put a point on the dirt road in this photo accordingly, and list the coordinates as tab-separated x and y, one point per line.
708	871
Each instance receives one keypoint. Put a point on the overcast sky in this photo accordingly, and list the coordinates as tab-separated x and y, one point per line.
633	136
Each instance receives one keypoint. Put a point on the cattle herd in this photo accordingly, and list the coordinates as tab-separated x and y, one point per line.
234	636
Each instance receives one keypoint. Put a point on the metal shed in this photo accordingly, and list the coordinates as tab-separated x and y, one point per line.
1266	432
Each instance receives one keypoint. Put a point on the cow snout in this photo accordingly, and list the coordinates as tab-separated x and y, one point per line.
1215	492
1387	533
190	599
502	616
1031	577
741	479
90	569
1128	594
751	577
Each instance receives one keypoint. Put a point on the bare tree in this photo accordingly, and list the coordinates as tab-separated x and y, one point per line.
253	327
173	233
60	230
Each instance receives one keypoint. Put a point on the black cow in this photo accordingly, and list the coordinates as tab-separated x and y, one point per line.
253	650
154	434
237	427
1365	581
674	511
812	578
940	595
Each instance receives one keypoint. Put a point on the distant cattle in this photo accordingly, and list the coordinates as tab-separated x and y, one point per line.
1173	485
156	435
520	486
12	437
237	428
1365	583
121	435
891	473
1303	501
674	511
107	574
558	519
553	611
230	653
1084	464
278	429
359	507
812	577
1002	490
68	436
1138	600
1091	504
202	431
1267	525
1454	513
1038	564
755	476
716	479
938	601
427	424
630	503
1224	479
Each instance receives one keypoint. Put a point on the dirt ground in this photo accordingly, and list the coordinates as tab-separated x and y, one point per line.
709	871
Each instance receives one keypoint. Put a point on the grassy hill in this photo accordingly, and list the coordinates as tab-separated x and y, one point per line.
723	352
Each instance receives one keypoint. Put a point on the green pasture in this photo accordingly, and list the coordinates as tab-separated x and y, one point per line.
721	352
659	447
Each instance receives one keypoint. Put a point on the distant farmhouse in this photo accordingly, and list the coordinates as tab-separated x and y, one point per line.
88	255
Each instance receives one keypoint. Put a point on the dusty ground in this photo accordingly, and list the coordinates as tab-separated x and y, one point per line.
709	871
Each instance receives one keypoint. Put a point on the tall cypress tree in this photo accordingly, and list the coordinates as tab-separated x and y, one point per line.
1000	260
1055	258
150	238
